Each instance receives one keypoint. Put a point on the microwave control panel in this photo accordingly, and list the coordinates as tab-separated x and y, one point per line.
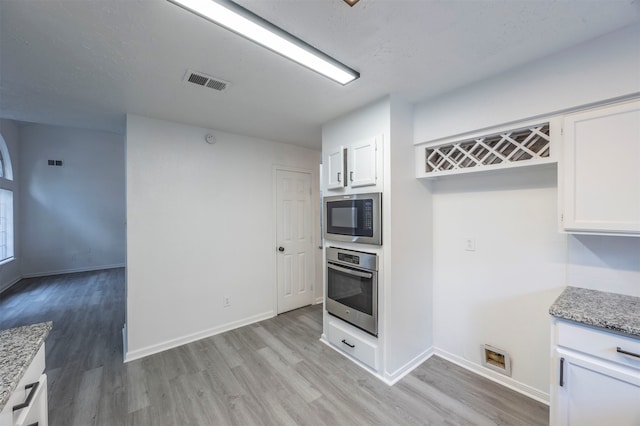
368	215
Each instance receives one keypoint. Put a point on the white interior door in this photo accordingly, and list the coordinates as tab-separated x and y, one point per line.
293	240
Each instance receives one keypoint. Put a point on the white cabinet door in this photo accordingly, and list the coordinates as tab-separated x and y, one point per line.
601	179
593	392
335	169
362	163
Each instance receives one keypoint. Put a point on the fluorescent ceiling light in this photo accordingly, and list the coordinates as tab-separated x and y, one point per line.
243	22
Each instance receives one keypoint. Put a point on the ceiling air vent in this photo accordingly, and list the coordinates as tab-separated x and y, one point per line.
205	80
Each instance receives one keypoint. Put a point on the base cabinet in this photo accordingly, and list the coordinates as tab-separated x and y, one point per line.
593	382
29	398
353	342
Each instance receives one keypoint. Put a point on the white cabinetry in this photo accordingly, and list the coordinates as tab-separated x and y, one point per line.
30	395
352	341
353	166
362	163
336	167
593	381
601	170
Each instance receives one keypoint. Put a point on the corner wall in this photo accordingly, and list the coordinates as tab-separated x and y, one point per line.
200	228
72	217
500	293
409	251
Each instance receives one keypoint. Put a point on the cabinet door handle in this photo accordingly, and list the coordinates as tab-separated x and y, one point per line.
348	344
32	392
561	372
338	176
351	176
623	352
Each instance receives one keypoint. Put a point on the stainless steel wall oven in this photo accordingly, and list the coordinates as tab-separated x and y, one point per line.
352	287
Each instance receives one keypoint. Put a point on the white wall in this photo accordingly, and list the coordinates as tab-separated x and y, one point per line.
605	68
200	227
604	263
10	272
500	294
72	217
409	249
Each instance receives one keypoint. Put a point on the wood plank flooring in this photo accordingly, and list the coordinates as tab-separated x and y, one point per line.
275	372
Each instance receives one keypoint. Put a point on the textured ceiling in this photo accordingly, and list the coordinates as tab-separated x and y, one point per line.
87	63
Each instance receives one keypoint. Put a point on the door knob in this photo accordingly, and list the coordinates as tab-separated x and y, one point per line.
280	248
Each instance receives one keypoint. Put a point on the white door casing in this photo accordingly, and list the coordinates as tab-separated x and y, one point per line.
294	242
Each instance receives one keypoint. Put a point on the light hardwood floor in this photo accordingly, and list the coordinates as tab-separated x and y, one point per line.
275	372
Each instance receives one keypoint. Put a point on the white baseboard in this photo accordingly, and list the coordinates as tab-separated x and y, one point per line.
182	340
10	284
124	341
319	301
392	378
506	381
389	379
72	270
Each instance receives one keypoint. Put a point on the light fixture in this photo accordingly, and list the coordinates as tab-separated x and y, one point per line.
351	2
245	23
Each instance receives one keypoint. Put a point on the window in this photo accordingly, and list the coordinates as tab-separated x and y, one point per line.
6	204
6	224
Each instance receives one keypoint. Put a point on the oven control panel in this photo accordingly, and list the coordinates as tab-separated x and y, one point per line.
349	258
352	258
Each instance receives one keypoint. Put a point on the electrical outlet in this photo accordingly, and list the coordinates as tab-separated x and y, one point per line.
470	244
226	302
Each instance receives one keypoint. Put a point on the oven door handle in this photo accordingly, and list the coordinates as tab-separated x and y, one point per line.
367	275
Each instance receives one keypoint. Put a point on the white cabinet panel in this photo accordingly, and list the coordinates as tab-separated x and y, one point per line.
601	178
336	168
362	163
352	343
592	382
352	166
596	392
36	411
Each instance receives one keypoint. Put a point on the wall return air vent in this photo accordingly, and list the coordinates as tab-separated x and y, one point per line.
204	80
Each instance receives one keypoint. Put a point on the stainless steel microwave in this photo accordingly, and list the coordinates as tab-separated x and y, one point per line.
355	218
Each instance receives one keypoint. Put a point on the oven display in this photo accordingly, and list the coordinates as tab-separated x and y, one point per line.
349	258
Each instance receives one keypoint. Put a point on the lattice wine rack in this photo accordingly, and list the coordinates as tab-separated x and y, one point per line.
499	149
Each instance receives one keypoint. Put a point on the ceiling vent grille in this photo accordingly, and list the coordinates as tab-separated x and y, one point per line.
205	80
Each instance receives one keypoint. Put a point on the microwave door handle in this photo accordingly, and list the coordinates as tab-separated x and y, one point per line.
350	271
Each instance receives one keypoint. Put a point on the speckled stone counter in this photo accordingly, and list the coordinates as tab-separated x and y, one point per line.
18	347
609	311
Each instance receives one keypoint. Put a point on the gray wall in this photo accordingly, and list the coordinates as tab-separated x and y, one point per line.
72	217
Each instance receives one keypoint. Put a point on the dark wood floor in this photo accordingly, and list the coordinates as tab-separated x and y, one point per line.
275	372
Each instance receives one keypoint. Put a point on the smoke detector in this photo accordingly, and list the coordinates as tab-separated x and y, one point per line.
204	80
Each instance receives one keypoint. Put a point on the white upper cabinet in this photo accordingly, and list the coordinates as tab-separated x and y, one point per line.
352	166
336	168
600	174
362	163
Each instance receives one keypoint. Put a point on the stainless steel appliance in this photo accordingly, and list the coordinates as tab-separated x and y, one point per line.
352	287
354	218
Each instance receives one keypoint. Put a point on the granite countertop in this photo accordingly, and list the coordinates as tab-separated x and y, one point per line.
610	311
18	347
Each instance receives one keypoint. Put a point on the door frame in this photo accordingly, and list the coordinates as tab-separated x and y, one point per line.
274	238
